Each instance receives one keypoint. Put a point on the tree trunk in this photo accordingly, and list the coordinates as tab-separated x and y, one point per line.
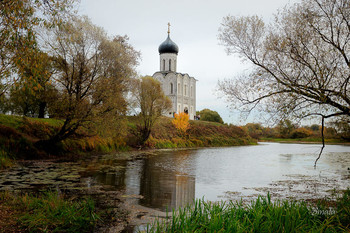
52	145
42	108
145	133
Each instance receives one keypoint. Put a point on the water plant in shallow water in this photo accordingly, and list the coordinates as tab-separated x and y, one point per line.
262	215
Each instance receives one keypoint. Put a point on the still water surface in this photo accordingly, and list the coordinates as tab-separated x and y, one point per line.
173	178
169	179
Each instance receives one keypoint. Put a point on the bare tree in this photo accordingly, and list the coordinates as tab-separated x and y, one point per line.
301	63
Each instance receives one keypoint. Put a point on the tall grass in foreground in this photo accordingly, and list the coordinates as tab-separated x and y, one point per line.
5	160
262	215
51	212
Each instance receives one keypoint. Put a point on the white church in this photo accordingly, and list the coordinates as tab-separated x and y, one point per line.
179	87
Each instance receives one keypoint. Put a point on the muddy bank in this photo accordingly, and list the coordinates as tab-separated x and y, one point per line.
75	180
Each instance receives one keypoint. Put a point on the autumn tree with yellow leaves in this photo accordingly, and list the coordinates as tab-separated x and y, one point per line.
181	122
33	91
20	24
91	71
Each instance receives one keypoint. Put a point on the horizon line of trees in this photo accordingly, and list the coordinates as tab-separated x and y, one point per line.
286	129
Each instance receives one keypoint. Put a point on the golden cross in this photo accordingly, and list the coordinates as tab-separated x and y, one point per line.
168	28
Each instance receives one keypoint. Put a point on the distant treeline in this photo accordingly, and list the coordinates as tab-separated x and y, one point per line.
287	129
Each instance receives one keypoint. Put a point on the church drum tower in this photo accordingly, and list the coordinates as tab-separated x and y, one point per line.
179	87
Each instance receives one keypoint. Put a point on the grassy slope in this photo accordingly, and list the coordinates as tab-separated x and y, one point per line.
18	135
199	134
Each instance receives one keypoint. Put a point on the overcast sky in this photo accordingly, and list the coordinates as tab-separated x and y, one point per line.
194	28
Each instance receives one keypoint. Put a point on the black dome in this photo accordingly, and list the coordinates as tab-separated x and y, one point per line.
168	46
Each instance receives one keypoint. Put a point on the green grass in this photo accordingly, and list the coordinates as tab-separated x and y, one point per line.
18	137
5	160
49	121
18	121
262	215
19	134
11	121
199	134
50	212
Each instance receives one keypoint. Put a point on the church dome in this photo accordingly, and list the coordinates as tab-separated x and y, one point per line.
168	46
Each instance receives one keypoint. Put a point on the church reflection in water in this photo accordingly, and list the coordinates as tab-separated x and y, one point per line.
160	180
163	188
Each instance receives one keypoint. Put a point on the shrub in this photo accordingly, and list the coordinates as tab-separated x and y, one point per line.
301	133
210	115
181	122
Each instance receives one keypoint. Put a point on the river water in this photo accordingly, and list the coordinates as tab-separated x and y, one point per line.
169	179
173	178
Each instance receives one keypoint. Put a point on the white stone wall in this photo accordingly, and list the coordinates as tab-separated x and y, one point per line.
166	79
168	62
186	96
182	94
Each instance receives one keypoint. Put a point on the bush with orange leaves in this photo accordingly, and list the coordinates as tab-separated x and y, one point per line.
181	122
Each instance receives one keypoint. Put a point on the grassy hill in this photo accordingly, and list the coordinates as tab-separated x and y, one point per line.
18	135
199	134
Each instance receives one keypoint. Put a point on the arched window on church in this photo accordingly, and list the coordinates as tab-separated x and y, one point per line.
178	89
163	64
169	64
171	88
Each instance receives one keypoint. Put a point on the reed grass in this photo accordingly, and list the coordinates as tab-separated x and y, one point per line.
51	212
5	160
262	215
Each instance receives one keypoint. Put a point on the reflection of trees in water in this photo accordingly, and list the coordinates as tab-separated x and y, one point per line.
285	158
166	188
115	179
112	177
162	180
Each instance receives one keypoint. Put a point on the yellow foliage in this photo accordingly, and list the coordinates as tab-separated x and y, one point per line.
181	122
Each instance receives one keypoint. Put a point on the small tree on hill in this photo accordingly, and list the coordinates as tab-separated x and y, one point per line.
149	97
255	130
181	122
301	133
210	115
285	128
